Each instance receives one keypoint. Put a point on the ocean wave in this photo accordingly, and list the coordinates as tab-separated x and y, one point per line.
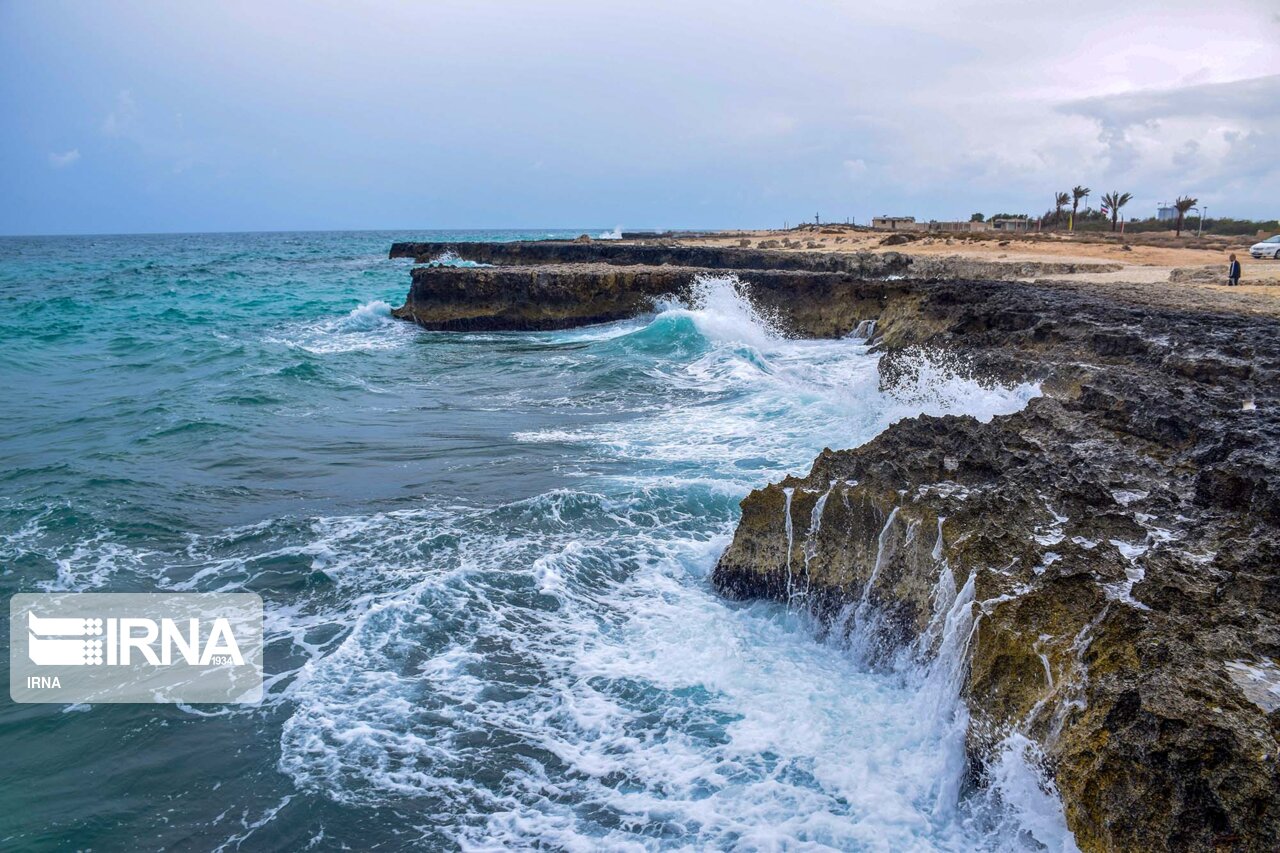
514	640
368	327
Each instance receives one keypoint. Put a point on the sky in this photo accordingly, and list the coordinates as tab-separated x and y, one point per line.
124	117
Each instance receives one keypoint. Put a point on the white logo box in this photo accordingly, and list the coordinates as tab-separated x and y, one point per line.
191	647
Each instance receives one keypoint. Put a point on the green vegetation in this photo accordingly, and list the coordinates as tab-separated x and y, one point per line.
1095	220
1183	204
1077	192
1112	202
1060	201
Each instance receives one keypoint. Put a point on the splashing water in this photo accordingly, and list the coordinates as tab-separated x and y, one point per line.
451	259
485	562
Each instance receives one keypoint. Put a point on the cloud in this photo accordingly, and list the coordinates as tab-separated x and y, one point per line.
64	159
855	168
122	116
1215	140
1242	99
740	115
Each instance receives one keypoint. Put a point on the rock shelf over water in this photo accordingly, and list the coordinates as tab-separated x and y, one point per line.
864	264
1122	533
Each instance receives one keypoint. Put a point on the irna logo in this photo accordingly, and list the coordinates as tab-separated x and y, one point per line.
94	641
135	647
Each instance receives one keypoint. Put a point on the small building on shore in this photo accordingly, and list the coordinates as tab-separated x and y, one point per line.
1011	223
895	223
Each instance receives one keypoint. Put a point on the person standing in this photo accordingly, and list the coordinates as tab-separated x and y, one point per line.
1233	272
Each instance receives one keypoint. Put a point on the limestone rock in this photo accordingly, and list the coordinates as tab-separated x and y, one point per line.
1122	534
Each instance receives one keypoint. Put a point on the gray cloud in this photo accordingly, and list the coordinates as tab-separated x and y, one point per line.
721	113
1214	140
1256	99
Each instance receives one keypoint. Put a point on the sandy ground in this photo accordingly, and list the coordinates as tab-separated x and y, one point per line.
1144	278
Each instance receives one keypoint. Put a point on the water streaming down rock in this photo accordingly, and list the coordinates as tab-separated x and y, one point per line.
815	527
943	597
791	590
863	621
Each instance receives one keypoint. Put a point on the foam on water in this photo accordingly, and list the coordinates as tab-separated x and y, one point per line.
366	327
470	661
564	675
370	315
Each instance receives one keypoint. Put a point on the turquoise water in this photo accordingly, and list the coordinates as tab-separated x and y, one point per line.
484	559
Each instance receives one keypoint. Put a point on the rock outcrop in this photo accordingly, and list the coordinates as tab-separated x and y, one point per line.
733	258
659	253
822	305
1120	536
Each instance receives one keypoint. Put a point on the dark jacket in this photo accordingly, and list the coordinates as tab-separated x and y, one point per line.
1235	270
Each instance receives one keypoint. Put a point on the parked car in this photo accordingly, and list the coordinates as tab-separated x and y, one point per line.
1268	248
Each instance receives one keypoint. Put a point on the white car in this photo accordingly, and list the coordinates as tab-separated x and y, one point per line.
1268	248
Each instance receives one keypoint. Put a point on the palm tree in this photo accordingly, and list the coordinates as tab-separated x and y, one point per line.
1059	201
1182	205
1113	201
1077	193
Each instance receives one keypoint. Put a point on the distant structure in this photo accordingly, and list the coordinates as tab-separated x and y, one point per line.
1166	212
909	223
1010	223
959	226
895	223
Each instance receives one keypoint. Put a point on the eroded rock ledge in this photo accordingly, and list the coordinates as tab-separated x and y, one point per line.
558	296
1122	533
656	254
721	258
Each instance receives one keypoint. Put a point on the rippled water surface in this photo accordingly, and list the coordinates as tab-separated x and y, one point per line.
485	562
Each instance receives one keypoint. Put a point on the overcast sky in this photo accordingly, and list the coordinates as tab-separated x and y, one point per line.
139	117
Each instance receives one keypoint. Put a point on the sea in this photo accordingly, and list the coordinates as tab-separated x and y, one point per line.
485	561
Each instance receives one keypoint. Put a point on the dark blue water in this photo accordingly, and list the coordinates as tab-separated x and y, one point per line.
484	560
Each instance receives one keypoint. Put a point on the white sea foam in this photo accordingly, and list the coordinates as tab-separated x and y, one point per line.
367	327
761	394
571	641
934	383
557	671
452	259
370	315
647	703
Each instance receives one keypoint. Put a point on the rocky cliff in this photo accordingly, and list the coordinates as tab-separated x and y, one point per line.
562	295
1120	536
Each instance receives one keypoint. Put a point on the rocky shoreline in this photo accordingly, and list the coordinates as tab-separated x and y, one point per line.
1120	537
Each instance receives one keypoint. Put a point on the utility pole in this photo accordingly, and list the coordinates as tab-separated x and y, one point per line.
815	220
1204	214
